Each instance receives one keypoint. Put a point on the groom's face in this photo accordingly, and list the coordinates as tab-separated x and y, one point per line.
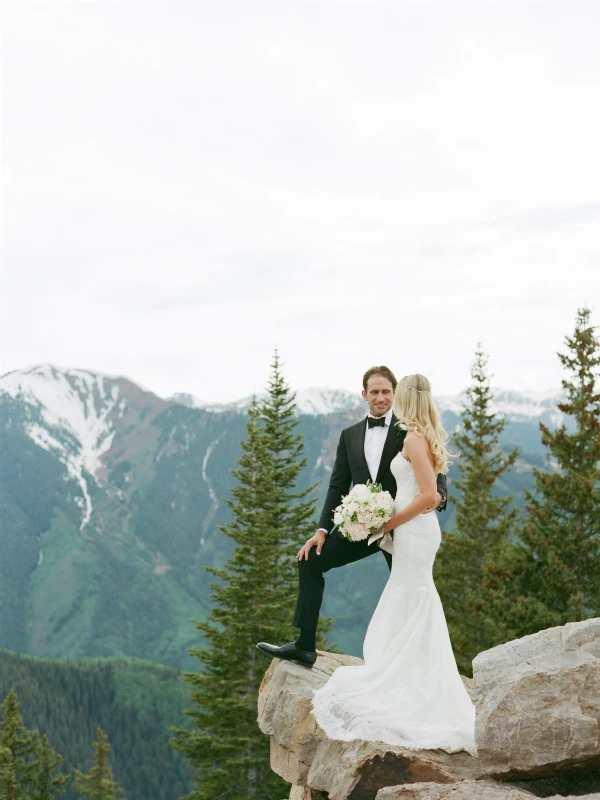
379	395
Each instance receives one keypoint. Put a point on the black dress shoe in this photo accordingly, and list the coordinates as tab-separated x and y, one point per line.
289	652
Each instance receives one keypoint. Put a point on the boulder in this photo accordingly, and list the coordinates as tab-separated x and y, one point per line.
465	790
595	796
303	755
304	793
538	703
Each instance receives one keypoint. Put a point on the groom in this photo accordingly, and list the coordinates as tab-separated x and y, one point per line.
364	453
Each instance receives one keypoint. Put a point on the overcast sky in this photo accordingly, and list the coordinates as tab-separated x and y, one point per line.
189	184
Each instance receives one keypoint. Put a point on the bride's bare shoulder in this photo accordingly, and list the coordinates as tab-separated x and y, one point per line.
416	445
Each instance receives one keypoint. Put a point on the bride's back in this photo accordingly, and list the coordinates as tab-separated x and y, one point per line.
417	541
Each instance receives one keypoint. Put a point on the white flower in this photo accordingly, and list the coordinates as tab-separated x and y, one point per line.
384	502
355	531
363	511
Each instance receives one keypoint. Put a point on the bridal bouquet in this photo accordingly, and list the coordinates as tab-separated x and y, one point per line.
363	511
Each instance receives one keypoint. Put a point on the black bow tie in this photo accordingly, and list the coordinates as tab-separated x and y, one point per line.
373	423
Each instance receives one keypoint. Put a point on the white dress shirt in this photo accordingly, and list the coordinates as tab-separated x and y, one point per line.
374	442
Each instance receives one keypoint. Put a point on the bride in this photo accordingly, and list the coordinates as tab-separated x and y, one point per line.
408	693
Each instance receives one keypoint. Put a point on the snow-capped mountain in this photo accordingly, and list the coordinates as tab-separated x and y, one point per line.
314	401
74	413
84	404
516	406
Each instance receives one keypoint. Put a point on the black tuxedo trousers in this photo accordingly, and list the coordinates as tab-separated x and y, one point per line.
336	551
350	468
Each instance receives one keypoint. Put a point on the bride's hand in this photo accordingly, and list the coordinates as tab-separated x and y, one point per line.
438	501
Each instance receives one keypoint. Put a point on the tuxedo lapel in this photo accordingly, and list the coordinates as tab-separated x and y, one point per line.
392	446
358	447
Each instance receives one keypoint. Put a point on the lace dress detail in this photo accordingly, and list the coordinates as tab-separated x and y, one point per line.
408	693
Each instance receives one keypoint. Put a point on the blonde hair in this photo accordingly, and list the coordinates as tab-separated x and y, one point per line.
416	411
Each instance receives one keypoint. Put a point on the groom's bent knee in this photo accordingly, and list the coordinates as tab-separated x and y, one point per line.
313	562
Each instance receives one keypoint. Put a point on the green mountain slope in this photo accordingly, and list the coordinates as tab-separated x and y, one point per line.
110	502
134	703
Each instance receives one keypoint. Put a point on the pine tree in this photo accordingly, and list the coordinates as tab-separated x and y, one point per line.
252	602
47	784
556	577
98	783
292	513
19	748
484	522
8	777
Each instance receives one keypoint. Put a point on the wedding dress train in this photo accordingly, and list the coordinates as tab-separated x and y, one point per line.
408	693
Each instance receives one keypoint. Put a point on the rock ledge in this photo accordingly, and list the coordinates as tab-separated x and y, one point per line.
303	755
537	705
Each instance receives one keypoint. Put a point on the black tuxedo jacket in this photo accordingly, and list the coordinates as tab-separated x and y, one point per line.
350	468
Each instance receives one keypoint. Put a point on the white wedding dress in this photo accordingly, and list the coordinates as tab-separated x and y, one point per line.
408	693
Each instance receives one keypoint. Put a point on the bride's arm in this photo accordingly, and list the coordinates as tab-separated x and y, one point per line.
417	450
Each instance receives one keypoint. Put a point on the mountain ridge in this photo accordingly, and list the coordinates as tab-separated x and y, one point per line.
315	400
111	505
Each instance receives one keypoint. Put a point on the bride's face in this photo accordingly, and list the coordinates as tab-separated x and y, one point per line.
379	395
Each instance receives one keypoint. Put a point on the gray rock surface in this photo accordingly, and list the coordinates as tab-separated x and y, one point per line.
305	793
538	702
465	790
304	756
595	796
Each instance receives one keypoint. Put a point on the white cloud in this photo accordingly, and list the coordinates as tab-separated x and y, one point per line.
189	184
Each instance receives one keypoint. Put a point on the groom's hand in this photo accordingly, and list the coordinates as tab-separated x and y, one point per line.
314	541
438	500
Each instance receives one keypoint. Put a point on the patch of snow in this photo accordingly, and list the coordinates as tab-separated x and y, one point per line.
183	399
313	401
78	475
211	493
75	406
317	400
42	438
517	406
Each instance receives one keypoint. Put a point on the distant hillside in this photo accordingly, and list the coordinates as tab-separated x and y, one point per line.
111	498
134	703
